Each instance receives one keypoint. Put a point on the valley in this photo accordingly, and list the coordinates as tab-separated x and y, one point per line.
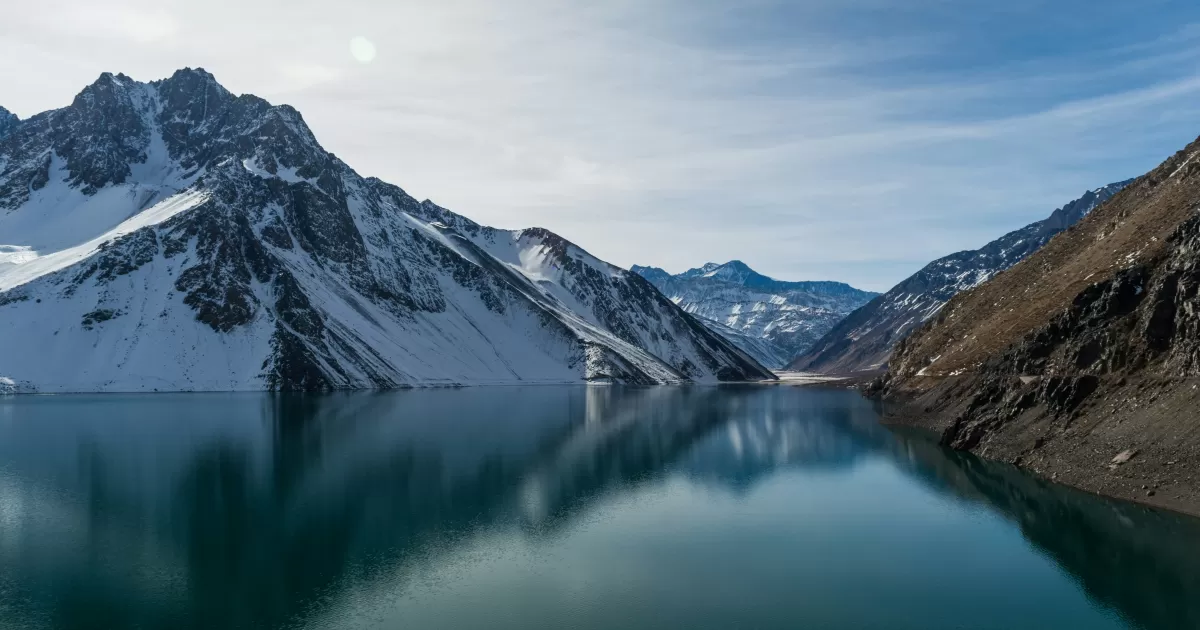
536	315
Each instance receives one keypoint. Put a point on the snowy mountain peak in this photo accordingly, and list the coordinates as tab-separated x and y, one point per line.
733	271
107	79
192	95
738	272
194	75
702	270
772	320
108	93
170	235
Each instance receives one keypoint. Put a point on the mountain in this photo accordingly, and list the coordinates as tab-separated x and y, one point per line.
770	319
1083	361
173	236
863	341
760	348
8	121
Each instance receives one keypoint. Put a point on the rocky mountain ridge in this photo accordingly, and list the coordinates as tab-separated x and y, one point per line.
771	319
863	341
1082	362
173	236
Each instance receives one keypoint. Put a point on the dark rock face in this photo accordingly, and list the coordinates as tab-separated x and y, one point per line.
1056	368
101	134
770	319
863	341
97	316
8	121
1119	329
325	279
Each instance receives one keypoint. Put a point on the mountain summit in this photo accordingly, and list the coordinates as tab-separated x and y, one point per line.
771	319
174	236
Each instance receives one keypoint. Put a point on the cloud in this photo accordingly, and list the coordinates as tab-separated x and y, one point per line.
851	140
131	24
303	76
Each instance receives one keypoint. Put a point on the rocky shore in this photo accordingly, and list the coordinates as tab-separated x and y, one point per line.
1127	444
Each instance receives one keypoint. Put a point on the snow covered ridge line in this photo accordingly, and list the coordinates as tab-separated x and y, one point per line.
31	265
172	236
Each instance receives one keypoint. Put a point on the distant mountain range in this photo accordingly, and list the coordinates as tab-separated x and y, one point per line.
863	341
174	236
772	320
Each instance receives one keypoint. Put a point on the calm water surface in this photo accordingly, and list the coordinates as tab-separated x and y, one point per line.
551	507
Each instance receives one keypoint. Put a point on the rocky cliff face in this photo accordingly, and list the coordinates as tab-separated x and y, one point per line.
1083	361
863	341
771	319
173	236
8	120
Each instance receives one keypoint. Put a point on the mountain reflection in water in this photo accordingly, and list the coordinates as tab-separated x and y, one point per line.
260	510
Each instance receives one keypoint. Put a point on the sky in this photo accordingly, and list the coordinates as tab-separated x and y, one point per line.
851	140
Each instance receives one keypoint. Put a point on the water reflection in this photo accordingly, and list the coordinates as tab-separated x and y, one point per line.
258	511
1141	562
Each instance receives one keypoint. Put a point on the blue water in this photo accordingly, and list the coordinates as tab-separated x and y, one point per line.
551	507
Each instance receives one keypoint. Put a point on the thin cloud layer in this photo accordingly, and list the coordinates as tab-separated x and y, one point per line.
814	140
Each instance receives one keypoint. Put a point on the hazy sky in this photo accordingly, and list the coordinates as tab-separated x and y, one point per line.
851	140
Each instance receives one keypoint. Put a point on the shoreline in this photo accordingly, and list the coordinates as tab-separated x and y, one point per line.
816	379
1147	474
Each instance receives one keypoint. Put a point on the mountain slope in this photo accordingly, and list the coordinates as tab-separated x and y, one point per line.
1083	361
771	319
760	348
173	236
863	341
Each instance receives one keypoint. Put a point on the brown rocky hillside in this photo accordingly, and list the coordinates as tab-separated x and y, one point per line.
1131	229
1082	362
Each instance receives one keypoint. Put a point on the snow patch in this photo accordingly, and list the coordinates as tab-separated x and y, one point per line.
36	266
286	173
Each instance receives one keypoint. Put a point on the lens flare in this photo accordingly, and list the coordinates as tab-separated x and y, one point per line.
362	49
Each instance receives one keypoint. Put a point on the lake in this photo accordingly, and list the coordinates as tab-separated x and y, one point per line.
552	507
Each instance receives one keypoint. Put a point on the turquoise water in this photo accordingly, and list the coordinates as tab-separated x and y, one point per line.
551	507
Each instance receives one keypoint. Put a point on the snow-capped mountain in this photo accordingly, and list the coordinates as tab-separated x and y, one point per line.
863	341
173	236
771	319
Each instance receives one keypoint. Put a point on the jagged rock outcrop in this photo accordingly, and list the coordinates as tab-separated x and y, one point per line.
173	236
863	341
1083	361
8	120
772	320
